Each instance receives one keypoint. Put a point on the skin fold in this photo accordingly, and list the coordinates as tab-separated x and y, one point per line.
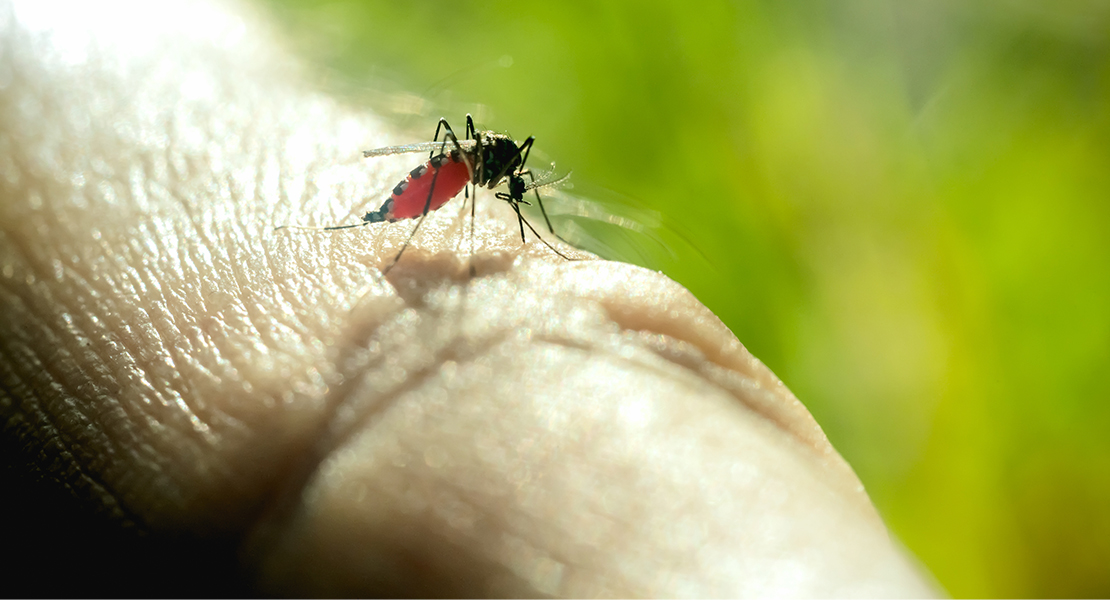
181	370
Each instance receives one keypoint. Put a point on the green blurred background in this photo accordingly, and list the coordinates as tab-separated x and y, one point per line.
905	207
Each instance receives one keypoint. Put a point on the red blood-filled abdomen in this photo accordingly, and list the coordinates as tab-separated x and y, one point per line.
452	177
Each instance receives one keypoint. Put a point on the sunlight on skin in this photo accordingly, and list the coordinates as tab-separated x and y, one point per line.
549	427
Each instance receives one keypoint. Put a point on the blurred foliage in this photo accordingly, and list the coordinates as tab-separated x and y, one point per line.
905	207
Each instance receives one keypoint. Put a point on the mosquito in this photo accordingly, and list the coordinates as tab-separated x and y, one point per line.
484	158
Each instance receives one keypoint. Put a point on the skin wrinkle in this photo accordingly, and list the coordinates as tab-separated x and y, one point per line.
337	429
331	589
454	349
381	402
703	330
51	367
51	434
166	376
706	332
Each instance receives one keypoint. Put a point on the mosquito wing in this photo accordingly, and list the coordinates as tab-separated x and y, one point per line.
611	231
610	224
419	147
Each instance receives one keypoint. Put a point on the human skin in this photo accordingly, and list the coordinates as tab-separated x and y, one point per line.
543	427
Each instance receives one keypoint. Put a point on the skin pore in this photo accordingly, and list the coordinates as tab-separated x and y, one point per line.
547	427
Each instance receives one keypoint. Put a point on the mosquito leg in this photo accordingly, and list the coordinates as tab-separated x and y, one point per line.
334	227
513	202
405	246
473	205
423	215
544	210
435	138
526	149
519	218
448	134
524	221
462	213
472	134
329	228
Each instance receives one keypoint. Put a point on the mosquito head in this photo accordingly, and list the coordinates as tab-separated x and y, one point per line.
500	158
517	187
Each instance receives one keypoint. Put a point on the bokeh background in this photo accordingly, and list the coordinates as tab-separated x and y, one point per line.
903	208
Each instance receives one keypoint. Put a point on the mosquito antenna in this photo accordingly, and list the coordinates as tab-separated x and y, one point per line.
547	180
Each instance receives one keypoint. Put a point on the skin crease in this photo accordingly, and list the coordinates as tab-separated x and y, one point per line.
548	427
